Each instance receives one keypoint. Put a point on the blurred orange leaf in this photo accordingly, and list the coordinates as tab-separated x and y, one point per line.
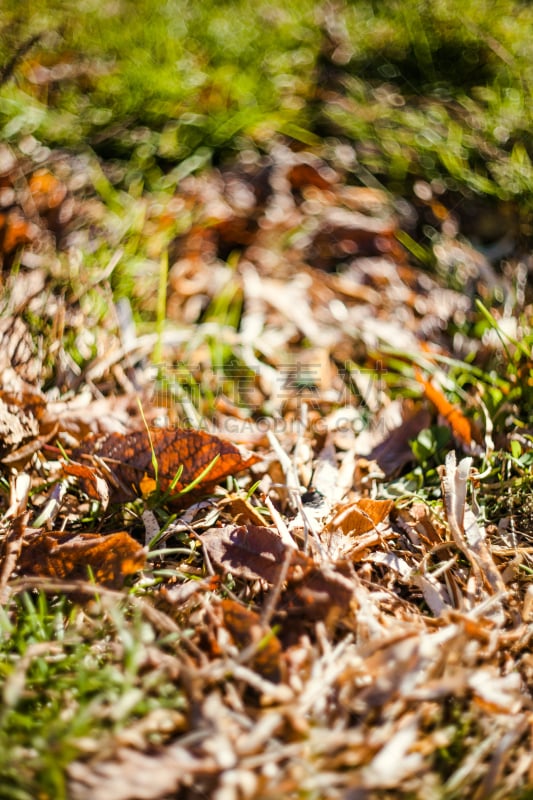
461	427
47	192
16	230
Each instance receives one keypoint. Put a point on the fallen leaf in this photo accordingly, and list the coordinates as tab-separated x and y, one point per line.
242	510
247	630
342	234
469	536
18	458
129	457
318	593
15	230
461	427
248	551
47	191
360	517
107	559
16	427
24	428
251	552
306	174
90	483
394	451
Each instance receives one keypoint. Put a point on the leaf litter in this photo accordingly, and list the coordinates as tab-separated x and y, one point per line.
332	633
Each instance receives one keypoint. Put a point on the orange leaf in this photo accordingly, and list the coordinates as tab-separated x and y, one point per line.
461	427
129	457
109	559
17	231
360	517
307	175
91	483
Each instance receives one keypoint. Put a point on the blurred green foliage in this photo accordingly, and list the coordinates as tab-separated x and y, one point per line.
433	90
156	79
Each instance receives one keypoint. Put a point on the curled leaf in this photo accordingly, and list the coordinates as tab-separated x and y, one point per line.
91	483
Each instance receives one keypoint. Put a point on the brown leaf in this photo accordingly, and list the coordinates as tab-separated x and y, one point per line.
108	559
361	516
318	593
129	457
90	483
394	452
241	510
343	234
247	630
24	428
252	552
247	551
18	458
305	174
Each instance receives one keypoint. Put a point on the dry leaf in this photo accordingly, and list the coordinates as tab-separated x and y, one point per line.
318	593
360	517
468	535
394	451
247	630
129	457
241	510
248	551
108	559
90	483
24	427
17	426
